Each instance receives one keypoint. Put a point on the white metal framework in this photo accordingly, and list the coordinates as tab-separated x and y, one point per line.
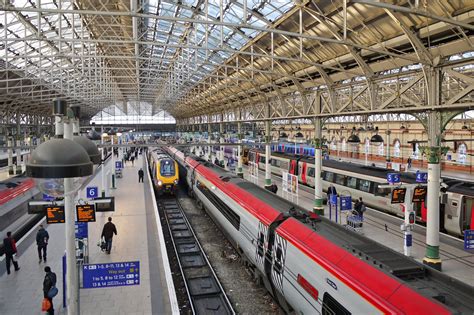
207	60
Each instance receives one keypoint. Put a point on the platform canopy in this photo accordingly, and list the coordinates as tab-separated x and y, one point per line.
197	58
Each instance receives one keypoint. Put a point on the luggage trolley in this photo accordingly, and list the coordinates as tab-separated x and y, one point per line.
354	222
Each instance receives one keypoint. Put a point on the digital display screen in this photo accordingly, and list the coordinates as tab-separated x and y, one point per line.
85	213
398	195
419	194
55	214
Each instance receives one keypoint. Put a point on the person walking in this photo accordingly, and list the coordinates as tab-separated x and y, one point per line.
108	233
42	238
140	175
9	246
48	283
132	158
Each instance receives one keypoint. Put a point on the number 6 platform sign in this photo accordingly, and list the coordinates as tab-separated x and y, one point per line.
92	192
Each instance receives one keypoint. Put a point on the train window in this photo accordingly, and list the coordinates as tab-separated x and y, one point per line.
278	265
332	307
379	191
352	182
340	180
262	159
261	240
329	177
310	171
166	168
284	166
364	185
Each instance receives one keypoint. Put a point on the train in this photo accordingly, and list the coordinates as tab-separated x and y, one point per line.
456	210
164	170
311	265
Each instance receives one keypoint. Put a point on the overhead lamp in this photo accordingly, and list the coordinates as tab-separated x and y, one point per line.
376	139
119	134
93	135
105	134
361	129
56	159
90	147
299	135
283	135
464	127
353	138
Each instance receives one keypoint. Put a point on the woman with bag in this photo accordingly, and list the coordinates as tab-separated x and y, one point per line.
49	291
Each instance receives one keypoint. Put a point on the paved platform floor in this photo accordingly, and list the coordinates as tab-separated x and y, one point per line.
137	239
457	262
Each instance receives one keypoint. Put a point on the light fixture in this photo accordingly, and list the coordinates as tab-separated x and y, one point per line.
56	159
299	135
376	139
90	147
119	134
105	134
464	127
93	135
353	138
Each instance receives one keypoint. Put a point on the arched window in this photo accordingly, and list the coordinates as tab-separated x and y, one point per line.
343	144
396	148
462	153
333	143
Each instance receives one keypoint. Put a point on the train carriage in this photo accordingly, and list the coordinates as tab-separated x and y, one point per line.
311	265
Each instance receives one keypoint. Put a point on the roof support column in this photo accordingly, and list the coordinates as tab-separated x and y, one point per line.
318	163
268	152
221	140
433	152
11	171
240	172
18	144
209	132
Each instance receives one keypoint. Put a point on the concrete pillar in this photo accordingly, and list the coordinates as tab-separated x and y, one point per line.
388	158
11	170
240	171
318	167
18	145
433	152
104	188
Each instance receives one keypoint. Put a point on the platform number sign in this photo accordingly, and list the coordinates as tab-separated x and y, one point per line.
393	178
118	165
92	192
421	177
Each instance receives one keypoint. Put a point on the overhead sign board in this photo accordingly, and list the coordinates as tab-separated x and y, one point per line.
111	275
393	178
469	239
421	177
419	194
85	213
48	197
55	214
92	192
82	230
398	195
104	204
118	165
346	203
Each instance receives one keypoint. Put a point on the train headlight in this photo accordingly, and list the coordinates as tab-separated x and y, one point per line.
176	182
160	183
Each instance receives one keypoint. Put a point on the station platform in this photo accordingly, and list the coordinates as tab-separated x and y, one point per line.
456	262
138	239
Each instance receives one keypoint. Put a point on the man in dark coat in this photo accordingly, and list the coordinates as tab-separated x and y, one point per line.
331	191
108	233
140	175
42	238
49	282
10	249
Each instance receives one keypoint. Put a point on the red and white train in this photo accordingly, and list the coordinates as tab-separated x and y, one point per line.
311	265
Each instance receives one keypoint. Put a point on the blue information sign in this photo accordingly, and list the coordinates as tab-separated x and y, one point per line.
346	203
48	198
111	274
118	165
393	178
421	177
408	240
82	230
469	239
92	192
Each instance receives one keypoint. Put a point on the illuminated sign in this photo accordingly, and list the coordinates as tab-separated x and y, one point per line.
55	214
85	213
398	195
419	194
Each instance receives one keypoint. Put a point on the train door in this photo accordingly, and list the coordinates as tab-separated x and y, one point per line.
467	219
293	167
303	172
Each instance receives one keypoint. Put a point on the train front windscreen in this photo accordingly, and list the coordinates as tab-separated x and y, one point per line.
167	168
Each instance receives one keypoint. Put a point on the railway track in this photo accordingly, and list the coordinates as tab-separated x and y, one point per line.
205	293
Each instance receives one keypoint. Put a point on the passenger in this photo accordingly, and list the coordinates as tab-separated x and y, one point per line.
216	161
9	246
360	208
108	233
140	175
48	283
409	163
331	191
42	238
274	188
132	158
